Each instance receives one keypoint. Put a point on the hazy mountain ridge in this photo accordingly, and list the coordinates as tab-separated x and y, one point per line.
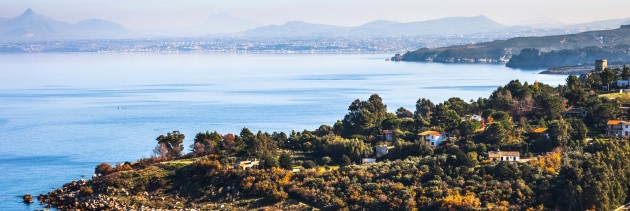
32	26
538	52
382	28
216	24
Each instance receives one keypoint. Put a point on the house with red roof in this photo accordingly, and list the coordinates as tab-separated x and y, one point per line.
434	138
618	128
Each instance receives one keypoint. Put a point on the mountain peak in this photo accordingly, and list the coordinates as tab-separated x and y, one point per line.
28	11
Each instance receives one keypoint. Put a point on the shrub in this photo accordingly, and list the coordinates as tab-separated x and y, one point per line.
85	191
103	169
345	160
123	167
309	164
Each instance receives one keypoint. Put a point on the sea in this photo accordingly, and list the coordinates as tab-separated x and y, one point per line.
61	114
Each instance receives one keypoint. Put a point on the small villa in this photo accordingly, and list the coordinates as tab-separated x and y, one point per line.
470	117
433	137
618	128
510	156
248	164
368	160
577	112
388	135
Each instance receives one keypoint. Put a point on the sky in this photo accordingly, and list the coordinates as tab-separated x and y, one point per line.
159	14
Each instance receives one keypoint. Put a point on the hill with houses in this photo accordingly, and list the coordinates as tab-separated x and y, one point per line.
525	146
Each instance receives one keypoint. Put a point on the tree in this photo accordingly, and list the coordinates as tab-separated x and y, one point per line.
326	160
608	76
424	107
458	105
336	147
550	106
578	132
269	161
495	134
445	118
573	82
285	161
364	117
593	80
345	161
280	139
206	143
251	144
468	128
173	142
403	113
559	132
308	164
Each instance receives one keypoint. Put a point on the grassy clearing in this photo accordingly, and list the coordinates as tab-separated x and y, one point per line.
330	168
615	95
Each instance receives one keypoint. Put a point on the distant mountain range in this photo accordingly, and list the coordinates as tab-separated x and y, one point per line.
382	28
32	26
216	24
534	52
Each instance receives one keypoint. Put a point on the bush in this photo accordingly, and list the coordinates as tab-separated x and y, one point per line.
123	167
286	162
345	160
309	164
85	191
103	169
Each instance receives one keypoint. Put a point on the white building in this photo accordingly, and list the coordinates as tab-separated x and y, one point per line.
472	117
623	83
433	137
618	128
510	156
368	160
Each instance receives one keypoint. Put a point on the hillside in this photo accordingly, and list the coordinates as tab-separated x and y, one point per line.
542	52
30	26
554	162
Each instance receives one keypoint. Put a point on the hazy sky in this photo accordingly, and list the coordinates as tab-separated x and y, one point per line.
153	14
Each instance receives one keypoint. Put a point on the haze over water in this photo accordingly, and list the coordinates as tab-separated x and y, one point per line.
62	114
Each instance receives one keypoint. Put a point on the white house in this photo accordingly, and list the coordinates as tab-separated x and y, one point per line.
472	117
623	83
248	164
499	155
618	128
433	137
368	160
383	150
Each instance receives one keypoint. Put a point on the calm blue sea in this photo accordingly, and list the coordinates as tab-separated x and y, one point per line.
62	114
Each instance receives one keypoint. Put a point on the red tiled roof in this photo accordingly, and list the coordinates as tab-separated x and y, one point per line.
429	132
614	121
497	154
540	130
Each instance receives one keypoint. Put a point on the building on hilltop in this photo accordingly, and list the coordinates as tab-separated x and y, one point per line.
510	156
577	112
601	65
433	137
618	128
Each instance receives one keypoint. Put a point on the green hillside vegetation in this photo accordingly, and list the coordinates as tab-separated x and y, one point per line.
571	167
